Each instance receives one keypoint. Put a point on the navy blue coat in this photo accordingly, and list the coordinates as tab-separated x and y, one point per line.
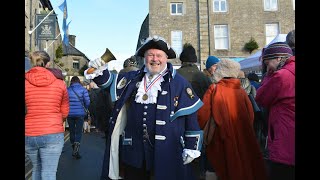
171	124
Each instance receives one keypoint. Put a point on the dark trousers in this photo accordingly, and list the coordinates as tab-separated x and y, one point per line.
133	173
278	171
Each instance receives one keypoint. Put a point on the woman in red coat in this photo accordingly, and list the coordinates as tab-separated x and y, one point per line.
47	104
277	94
233	152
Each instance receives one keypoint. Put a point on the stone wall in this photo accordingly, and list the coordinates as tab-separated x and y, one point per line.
245	19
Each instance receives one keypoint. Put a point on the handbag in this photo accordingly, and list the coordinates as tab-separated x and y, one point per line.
209	127
85	109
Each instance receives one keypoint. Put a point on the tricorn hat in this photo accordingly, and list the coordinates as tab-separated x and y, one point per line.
156	42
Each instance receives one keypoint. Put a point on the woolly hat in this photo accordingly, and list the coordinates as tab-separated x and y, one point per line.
275	50
130	62
226	68
188	54
156	42
211	61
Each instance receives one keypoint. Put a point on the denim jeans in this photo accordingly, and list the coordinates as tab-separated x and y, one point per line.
44	153
75	128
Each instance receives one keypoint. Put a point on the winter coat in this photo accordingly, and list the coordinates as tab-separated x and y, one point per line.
172	125
199	81
76	108
47	102
234	152
277	94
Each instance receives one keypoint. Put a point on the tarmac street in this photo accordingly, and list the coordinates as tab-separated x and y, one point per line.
87	168
92	147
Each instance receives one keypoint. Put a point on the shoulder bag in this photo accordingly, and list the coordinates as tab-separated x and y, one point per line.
210	126
85	109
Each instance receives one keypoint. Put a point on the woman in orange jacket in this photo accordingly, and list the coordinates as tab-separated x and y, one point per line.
47	104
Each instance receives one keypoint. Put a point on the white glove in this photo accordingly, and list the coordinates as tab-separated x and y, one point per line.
99	66
189	155
96	63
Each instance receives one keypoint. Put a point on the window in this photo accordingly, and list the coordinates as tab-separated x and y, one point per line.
270	5
176	8
219	5
221	37
40	8
76	64
176	41
272	30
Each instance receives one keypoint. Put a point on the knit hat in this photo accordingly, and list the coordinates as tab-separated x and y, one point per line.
130	62
211	61
275	50
156	42
188	54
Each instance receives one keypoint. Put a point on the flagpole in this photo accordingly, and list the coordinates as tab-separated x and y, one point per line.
51	42
30	32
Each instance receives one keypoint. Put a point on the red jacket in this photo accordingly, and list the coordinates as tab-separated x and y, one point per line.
234	152
47	102
277	93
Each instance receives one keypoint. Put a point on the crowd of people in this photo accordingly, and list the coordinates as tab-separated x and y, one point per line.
153	117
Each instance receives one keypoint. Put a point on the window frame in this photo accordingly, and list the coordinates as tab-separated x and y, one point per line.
176	9
220	6
270	37
76	62
271	8
174	42
216	37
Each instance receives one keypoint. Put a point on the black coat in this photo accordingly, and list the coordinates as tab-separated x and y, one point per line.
198	80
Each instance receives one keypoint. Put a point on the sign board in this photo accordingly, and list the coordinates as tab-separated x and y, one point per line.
47	29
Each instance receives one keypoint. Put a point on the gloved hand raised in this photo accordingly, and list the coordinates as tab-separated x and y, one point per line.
96	63
96	68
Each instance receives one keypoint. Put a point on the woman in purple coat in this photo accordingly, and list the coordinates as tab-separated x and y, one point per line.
277	94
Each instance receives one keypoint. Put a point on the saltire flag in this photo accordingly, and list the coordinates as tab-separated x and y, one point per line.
66	35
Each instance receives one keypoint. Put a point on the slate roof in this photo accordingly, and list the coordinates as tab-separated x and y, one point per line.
73	51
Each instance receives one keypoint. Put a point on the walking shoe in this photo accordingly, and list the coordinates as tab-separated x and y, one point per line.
77	155
76	147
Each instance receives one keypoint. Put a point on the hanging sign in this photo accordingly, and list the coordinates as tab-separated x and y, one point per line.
47	29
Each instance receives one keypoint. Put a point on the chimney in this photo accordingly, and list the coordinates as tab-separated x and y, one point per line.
72	40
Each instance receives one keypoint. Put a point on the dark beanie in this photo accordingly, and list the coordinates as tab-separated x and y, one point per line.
275	50
188	54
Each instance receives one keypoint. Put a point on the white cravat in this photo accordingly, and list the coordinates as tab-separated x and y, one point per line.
154	85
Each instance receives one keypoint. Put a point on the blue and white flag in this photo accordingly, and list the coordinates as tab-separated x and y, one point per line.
66	35
63	8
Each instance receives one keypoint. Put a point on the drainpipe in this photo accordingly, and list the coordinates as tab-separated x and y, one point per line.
198	31
208	27
30	35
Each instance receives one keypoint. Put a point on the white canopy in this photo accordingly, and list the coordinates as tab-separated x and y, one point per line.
253	60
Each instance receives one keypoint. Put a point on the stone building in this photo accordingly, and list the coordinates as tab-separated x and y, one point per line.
73	59
218	27
33	7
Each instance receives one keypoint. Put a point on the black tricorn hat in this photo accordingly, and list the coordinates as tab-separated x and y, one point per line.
156	42
188	53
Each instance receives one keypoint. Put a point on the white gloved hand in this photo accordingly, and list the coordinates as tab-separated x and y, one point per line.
96	63
189	155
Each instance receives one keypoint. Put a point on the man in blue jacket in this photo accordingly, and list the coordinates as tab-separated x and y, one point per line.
153	130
